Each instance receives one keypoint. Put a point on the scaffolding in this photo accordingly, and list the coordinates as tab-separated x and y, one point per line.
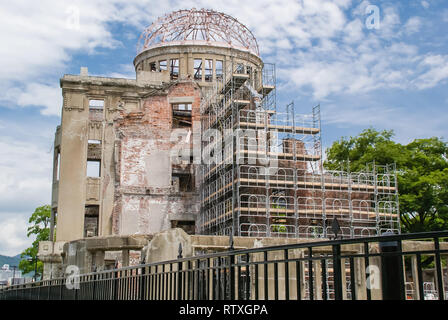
264	174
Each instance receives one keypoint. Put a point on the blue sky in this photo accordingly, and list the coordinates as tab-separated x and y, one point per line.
390	77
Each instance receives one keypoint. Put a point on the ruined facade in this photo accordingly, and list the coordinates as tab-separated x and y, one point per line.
139	156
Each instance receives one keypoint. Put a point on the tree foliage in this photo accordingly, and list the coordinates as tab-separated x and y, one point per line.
422	173
40	229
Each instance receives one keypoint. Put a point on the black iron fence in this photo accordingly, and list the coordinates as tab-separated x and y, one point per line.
386	267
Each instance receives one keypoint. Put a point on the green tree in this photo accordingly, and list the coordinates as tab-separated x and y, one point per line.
40	229
422	173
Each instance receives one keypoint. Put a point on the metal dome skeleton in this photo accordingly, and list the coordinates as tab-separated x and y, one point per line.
198	27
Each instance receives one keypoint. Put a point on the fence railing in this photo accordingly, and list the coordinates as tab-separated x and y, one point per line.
383	267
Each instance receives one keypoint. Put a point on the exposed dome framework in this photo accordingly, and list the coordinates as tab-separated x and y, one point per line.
198	27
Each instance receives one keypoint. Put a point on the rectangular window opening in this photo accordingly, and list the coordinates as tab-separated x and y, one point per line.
96	108
198	69
182	182
58	165
162	65
186	225
174	69
96	104
219	70
93	168
208	71
182	115
239	68
94	150
152	66
91	214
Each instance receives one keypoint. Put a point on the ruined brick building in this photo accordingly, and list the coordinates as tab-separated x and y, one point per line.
197	141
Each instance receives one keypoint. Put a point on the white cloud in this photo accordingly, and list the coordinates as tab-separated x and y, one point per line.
304	34
13	238
425	4
436	71
40	36
25	173
413	25
37	94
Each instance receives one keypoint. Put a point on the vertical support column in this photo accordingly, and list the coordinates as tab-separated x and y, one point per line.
125	258
52	224
98	260
232	276
337	272
439	270
344	279
377	217
393	288
267	169
360	278
317	280
415	278
190	64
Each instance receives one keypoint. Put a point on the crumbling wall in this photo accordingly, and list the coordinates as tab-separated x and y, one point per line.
145	199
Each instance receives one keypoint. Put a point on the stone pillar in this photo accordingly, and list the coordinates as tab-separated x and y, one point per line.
49	253
190	64
99	260
360	279
415	280
125	258
52	223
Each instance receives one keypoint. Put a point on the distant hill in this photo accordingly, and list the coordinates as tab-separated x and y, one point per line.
12	261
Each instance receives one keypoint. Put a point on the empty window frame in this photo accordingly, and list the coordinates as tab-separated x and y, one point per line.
249	70
187	225
198	69
57	165
91	214
219	69
162	65
94	150
94	168
182	115
208	70
182	182
58	172
181	106
152	66
239	68
96	104
174	69
96	108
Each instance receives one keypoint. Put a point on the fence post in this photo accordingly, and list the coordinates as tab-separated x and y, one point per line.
142	283
179	273
391	269
115	296
94	285
337	270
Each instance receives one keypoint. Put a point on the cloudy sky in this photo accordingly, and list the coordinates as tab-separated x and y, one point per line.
389	73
